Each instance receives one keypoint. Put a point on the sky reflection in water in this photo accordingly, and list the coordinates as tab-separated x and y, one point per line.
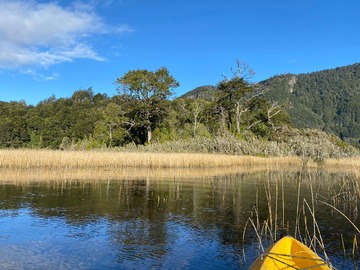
158	224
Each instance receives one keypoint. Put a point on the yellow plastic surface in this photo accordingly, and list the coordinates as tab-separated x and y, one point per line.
288	253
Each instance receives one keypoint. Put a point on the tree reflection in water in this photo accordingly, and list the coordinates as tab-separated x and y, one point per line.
161	223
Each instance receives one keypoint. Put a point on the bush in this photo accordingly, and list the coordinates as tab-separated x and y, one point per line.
307	144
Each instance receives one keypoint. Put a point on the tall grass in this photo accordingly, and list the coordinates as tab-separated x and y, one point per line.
339	163
50	159
344	194
110	160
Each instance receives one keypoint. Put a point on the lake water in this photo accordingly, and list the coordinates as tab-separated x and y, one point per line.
174	222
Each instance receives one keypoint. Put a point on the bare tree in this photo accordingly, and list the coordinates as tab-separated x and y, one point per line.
271	111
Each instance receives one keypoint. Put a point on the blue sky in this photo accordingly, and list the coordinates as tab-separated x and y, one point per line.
57	47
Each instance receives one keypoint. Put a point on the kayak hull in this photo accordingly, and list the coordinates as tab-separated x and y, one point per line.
288	253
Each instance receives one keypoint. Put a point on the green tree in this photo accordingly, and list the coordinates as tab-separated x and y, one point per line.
83	114
148	92
191	113
264	116
13	130
235	95
110	129
34	126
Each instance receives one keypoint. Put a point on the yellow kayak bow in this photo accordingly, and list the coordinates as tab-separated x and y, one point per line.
288	253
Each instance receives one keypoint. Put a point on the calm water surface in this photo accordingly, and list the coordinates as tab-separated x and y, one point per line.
168	223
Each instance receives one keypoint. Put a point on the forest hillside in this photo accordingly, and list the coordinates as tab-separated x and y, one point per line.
327	100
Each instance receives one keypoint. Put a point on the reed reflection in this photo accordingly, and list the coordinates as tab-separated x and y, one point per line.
155	221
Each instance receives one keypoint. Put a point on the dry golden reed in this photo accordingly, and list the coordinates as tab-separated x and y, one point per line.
341	163
51	159
25	159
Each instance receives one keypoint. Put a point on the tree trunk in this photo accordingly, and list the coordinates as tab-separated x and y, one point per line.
229	120
196	113
110	133
239	112
149	134
195	126
223	119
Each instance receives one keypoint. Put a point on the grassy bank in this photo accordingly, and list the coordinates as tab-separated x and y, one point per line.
109	160
306	144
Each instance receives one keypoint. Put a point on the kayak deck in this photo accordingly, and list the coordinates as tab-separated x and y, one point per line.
288	253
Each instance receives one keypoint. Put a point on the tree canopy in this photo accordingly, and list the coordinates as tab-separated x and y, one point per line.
142	111
147	92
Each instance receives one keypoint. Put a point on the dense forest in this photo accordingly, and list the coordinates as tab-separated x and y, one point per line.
143	113
327	100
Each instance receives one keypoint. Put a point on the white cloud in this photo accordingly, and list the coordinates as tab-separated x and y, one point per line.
44	34
39	76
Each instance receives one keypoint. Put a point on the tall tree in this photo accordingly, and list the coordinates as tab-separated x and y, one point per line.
148	92
236	94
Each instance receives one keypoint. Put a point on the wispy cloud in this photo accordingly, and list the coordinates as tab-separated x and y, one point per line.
40	76
44	34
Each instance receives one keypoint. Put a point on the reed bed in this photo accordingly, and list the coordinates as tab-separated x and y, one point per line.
51	159
343	163
109	160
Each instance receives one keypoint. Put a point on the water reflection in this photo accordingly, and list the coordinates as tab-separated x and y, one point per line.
168	223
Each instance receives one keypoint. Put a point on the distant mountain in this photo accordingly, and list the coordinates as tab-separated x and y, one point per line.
327	100
201	91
